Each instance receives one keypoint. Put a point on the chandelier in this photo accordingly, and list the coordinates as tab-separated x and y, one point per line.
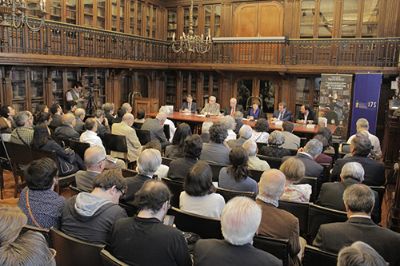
190	43
13	14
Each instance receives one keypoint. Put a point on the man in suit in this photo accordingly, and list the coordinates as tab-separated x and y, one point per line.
278	223
212	107
363	127
147	164
282	114
156	128
292	141
239	222
311	151
360	148
189	106
233	107
108	109
66	131
80	114
133	144
305	115
359	201
95	161
56	113
102	123
331	194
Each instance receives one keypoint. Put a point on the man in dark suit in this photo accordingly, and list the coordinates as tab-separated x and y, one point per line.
80	114
233	107
66	131
102	123
282	114
305	115
311	151
156	128
331	194
359	201
189	106
360	147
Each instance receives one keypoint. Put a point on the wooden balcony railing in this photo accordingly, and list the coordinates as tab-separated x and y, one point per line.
71	40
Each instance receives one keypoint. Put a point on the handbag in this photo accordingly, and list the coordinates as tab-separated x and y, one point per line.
66	167
28	206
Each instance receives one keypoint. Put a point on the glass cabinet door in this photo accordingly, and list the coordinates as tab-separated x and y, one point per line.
139	19
326	12
56	86
369	23
186	14
36	83
71	11
18	83
171	23
217	21
88	13
55	10
132	17
121	16
350	18
307	18
101	14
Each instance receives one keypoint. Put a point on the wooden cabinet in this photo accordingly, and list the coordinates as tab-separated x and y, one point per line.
149	105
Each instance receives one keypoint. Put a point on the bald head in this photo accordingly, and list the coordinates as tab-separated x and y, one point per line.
128	119
68	119
152	196
95	158
272	184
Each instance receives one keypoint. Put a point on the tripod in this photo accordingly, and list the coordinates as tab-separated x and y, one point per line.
91	104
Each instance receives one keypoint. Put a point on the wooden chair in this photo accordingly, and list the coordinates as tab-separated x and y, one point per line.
300	210
230	194
75	190
166	161
205	227
215	168
45	232
256	175
116	143
176	187
143	136
110	260
318	215
79	147
167	132
314	256
128	172
273	162
277	247
72	251
381	192
312	181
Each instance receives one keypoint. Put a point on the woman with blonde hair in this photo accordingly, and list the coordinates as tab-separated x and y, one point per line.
294	171
28	249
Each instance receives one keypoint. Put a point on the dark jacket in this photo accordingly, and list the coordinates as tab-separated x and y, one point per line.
312	167
156	130
310	116
134	183
56	121
228	110
274	151
179	168
64	132
287	115
193	107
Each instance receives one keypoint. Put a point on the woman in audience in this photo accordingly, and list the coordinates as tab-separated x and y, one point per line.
235	176
274	149
176	149
38	200
215	151
69	162
29	248
43	117
260	131
41	108
199	192
205	131
230	125
294	171
162	170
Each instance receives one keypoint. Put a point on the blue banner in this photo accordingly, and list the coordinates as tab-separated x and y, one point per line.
367	89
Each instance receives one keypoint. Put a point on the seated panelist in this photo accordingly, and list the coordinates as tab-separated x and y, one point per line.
189	106
233	107
282	114
212	107
306	115
254	111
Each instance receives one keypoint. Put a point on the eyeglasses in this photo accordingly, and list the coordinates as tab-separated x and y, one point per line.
102	160
121	191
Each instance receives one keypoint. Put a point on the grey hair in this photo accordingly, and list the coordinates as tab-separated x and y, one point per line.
205	127
79	112
362	124
149	161
238	115
276	138
126	106
360	254
272	184
67	119
240	219
212	97
229	122
359	198
107	107
22	117
250	146
99	113
353	170
313	147
161	116
245	132
93	155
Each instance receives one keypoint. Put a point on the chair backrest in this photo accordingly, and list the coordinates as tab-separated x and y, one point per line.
255	174
75	190
176	187
128	172
314	256
114	142
205	227
110	260
261	145
143	136
215	168
318	215
381	192
79	147
130	209
292	152
166	161
230	194
44	231
167	132
298	209
72	251
277	247
274	162
312	181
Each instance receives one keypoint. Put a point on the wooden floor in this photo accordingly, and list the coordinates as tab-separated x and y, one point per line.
10	200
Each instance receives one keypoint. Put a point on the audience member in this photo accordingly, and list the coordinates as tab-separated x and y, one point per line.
254	162
7	123
323	158
80	114
176	149
277	223
360	254
360	147
282	114
132	141
331	194
189	106
147	164
155	126
230	125
43	118
40	203
90	216
168	122
127	108
179	168
292	142
245	133
162	170
16	248
108	109
362	125
205	131
233	108
294	170
56	115
215	150
359	201
260	131
212	107
239	222
238	116
139	120
102	123
90	135
120	113
159	244
274	148
236	175
199	192
66	131
95	162
40	108
311	150
23	133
